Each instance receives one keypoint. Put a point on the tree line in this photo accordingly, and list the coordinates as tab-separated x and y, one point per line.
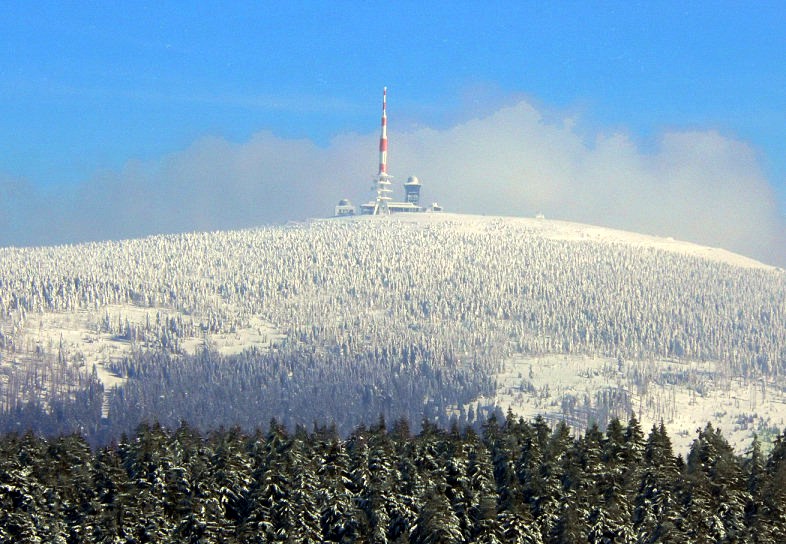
511	481
209	389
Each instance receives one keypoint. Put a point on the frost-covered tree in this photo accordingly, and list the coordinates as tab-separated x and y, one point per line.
359	333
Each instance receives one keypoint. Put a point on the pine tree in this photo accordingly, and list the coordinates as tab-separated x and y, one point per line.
715	496
656	513
344	472
23	498
113	493
436	522
756	528
408	486
269	488
549	504
634	441
379	487
146	461
70	477
232	473
610	519
305	525
582	480
480	499
377	500
772	521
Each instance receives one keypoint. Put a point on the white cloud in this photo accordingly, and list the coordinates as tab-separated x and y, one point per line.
698	186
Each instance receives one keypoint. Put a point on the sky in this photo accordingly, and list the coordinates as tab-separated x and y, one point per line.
124	119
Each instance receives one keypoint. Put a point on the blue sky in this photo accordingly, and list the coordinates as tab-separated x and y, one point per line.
95	96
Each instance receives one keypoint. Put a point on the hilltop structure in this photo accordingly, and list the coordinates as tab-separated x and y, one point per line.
383	204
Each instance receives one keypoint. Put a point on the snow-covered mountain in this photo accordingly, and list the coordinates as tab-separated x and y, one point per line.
416	315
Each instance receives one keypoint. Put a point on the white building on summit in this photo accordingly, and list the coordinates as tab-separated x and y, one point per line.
383	204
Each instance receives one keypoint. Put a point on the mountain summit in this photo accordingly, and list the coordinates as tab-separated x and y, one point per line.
436	316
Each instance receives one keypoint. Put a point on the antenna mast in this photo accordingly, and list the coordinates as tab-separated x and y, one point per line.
383	179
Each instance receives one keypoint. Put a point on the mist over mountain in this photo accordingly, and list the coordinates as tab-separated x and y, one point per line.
436	316
517	160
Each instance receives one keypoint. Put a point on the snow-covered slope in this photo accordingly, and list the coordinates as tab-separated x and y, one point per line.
411	314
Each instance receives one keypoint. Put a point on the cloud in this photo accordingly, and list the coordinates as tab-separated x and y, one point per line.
699	186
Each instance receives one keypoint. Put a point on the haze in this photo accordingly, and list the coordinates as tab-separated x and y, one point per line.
126	122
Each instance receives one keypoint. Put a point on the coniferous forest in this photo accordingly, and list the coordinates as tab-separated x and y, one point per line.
320	321
214	334
511	481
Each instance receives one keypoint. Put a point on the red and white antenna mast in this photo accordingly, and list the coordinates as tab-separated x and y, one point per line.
383	137
383	179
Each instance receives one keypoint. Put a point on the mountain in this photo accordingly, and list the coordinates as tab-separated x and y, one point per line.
436	316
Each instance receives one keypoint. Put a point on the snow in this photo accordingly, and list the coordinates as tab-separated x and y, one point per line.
79	337
257	334
579	232
544	385
587	309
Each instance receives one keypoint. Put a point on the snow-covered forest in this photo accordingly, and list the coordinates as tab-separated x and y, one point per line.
344	320
515	482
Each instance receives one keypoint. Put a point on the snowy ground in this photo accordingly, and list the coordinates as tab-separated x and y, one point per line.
212	273
546	385
78	336
532	386
564	230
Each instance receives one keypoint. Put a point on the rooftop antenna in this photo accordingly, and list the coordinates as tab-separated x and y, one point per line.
383	179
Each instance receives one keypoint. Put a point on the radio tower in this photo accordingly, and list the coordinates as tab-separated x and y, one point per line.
383	179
